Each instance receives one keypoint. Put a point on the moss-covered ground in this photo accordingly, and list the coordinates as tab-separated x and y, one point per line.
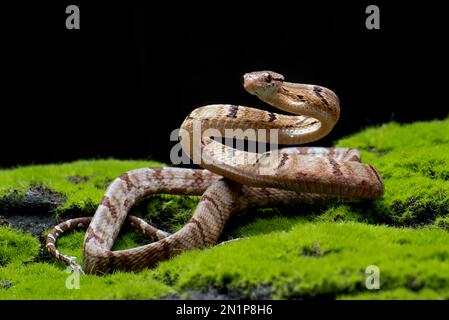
292	252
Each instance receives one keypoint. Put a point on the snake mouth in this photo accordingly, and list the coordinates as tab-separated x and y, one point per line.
249	83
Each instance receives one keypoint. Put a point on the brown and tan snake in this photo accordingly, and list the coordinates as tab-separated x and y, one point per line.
283	176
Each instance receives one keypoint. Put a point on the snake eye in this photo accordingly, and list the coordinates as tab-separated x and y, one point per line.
268	77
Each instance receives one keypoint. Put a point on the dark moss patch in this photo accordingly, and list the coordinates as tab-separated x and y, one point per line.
37	199
442	222
102	185
35	224
312	250
377	151
78	179
32	211
4	222
6	284
257	293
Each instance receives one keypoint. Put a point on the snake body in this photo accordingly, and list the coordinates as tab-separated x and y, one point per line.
227	184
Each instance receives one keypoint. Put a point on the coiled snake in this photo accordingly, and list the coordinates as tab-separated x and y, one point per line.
284	176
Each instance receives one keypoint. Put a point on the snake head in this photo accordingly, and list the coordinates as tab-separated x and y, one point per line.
262	83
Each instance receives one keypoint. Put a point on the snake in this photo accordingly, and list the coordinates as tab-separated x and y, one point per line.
229	179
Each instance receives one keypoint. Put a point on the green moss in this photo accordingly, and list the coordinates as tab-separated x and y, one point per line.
442	222
311	259
47	281
318	260
414	163
288	252
80	183
16	247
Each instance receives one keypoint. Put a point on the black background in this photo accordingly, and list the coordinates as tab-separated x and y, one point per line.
118	86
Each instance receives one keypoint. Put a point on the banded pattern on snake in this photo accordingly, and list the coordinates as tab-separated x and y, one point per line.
228	185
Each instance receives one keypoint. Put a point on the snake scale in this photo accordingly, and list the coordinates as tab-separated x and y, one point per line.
226	183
